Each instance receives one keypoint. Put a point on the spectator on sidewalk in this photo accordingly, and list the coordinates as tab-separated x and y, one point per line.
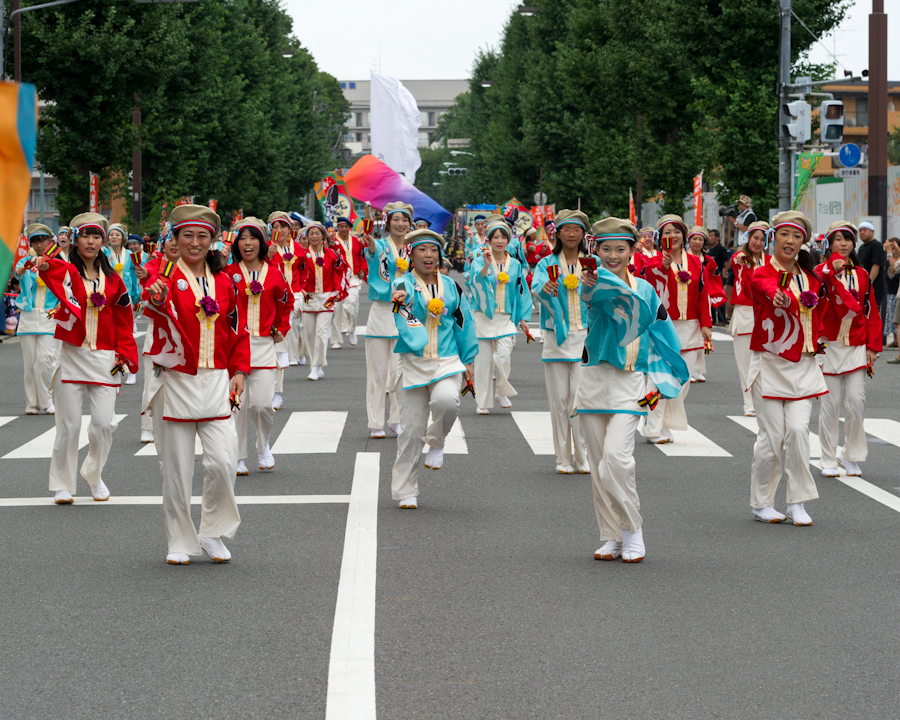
746	217
873	258
892	250
721	255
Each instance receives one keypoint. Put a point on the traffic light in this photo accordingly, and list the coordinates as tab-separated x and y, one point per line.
831	121
796	121
457	171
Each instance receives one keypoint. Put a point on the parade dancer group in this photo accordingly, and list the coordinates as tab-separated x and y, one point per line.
623	316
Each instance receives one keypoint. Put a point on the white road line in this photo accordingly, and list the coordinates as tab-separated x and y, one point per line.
815	447
149	449
195	500
537	431
140	333
42	445
455	442
887	430
722	337
7	419
857	483
692	443
863	486
351	669
311	432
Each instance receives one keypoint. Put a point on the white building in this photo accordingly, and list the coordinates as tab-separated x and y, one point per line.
434	97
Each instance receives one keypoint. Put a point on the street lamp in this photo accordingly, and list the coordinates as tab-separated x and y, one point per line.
454	153
526	10
287	54
4	35
448	164
486	83
436	184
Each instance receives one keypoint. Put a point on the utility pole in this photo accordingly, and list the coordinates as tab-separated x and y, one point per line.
136	164
784	78
640	181
17	39
878	130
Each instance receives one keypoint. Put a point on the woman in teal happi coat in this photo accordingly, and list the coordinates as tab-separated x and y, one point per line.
436	345
502	305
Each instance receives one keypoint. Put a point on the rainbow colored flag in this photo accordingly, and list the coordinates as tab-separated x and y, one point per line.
18	138
371	181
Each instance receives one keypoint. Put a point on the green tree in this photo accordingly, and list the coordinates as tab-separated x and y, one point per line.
224	114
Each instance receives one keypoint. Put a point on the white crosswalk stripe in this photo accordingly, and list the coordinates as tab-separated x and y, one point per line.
311	432
7	419
692	443
722	337
537	431
815	448
857	483
195	500
42	445
887	430
455	442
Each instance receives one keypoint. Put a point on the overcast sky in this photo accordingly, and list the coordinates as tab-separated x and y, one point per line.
437	39
415	39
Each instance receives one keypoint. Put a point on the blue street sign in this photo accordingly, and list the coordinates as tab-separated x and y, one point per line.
850	155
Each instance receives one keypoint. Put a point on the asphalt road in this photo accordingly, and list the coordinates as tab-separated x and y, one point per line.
488	601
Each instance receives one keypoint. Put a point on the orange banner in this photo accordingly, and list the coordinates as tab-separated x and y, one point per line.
95	192
632	213
698	199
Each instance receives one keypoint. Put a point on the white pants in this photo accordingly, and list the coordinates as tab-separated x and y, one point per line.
853	386
294	338
315	331
562	386
69	399
147	415
670	413
700	363
219	515
441	400
345	313
40	354
494	360
610	448
257	402
382	371
742	357
783	427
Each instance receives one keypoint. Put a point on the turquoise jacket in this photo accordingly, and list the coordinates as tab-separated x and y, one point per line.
456	332
483	291
617	316
127	274
382	270
28	290
554	310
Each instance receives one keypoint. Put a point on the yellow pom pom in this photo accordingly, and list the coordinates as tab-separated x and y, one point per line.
402	264
503	277
571	282
436	306
41	283
119	267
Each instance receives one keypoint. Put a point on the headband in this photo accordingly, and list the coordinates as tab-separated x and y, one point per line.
572	221
196	223
403	210
76	231
422	241
614	236
828	235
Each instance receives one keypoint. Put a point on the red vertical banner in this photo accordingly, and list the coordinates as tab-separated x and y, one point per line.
632	213
537	217
186	200
165	214
95	192
22	248
213	204
698	199
238	215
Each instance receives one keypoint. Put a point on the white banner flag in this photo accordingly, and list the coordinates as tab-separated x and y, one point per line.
395	120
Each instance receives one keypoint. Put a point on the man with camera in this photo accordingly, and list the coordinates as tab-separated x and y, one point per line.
744	219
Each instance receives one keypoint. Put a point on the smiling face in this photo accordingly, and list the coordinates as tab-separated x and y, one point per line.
498	241
675	233
284	229
842	243
170	249
615	255
757	241
248	244
88	244
193	244
398	224
426	258
343	230
697	242
788	241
